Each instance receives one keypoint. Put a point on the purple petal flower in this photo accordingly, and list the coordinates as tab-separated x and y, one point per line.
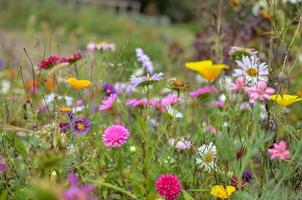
108	89
81	126
2	164
145	80
64	127
145	60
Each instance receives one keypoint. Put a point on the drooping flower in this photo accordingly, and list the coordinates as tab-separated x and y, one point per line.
78	84
108	89
180	144
115	136
221	192
261	91
174	113
49	62
207	69
206	156
285	99
145	80
279	151
204	90
107	104
239	85
168	186
81	126
2	164
145	60
72	59
76	191
237	53
252	70
170	99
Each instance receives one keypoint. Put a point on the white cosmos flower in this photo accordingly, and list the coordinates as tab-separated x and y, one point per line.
174	113
206	156
251	69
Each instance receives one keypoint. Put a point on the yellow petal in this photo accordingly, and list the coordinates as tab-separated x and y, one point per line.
195	66
230	189
285	99
78	84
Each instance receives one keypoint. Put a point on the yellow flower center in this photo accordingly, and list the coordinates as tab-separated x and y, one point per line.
80	126
208	157
252	72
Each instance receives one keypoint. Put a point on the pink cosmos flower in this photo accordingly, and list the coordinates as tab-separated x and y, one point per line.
170	99
49	62
218	104
108	103
115	136
279	151
239	85
261	91
168	186
204	90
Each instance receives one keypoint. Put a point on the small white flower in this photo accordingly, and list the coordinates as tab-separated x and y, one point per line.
5	86
251	70
174	113
206	156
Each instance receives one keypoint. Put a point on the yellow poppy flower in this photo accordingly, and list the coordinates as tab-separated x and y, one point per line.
65	109
285	99
221	192
78	84
207	69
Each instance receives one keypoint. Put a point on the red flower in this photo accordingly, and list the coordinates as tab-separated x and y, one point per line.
168	186
49	62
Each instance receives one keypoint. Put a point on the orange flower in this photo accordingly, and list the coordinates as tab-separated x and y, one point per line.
65	109
78	84
32	85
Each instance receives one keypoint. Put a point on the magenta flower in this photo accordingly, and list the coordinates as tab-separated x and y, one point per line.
76	192
170	99
2	164
108	89
81	126
115	136
168	186
204	90
137	102
107	104
239	85
72	59
261	91
49	62
279	151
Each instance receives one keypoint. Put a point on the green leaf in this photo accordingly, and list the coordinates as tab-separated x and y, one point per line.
4	195
186	195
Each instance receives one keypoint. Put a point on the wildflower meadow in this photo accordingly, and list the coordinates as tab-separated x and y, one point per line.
192	100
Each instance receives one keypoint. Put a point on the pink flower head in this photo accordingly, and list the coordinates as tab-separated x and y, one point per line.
72	59
49	62
204	90
170	99
115	136
211	129
239	85
137	102
107	104
261	91
218	104
181	144
279	151
168	186
2	164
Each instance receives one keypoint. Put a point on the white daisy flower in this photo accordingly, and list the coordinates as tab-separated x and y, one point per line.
206	156
251	70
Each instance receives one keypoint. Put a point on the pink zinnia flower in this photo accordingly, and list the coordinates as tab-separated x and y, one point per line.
49	62
239	85
218	104
115	136
107	104
170	99
279	151
261	91
168	186
204	90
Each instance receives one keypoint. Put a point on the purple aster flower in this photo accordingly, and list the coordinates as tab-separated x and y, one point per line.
145	60
64	127
2	164
123	87
247	176
81	126
145	80
76	191
108	89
